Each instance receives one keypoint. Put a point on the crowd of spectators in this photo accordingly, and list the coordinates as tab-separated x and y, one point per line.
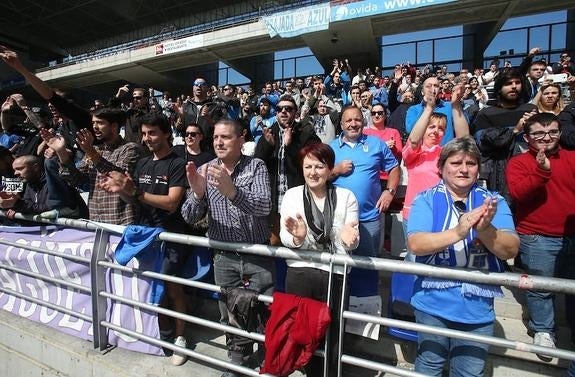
133	152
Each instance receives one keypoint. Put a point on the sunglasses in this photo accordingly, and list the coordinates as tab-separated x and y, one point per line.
460	207
192	134
137	97
374	113
200	83
289	109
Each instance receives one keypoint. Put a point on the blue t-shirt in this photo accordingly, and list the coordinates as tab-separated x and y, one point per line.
443	107
450	303
370	155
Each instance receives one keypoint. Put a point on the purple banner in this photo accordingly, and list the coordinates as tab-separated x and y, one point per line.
78	243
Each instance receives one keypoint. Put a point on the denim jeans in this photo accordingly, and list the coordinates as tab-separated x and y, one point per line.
539	256
236	270
566	270
571	370
466	358
365	282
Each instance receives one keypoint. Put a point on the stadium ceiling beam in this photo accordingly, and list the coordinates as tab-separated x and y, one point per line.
25	41
498	24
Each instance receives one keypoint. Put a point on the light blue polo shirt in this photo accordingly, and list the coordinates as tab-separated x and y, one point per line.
369	155
443	107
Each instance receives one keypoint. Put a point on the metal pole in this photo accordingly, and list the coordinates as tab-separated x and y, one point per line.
98	277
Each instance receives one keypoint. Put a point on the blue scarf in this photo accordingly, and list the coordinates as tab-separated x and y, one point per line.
467	253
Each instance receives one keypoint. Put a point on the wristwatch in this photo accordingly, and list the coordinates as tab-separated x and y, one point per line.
392	191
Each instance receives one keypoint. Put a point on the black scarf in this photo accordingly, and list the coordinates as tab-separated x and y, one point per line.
320	223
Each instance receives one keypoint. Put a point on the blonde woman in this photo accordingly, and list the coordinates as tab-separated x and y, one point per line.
549	99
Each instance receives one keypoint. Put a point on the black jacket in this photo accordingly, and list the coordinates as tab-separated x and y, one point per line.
302	133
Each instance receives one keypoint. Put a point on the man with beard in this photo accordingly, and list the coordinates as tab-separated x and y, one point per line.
498	130
541	185
264	119
157	191
235	191
431	103
111	154
139	109
34	200
279	148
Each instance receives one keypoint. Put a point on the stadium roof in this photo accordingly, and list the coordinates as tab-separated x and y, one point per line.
52	28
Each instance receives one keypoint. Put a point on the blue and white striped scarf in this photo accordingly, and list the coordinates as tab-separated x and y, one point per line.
467	253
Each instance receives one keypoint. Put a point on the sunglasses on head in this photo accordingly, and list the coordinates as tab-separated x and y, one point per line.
289	109
192	134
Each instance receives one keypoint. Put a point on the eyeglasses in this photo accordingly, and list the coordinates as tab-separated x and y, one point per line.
192	134
380	113
200	83
289	109
538	135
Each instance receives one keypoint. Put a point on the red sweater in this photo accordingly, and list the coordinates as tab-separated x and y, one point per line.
296	327
544	201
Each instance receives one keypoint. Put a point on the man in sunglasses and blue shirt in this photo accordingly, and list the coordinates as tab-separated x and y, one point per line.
279	147
198	111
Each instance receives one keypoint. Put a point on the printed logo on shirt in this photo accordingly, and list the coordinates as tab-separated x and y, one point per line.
162	179
145	179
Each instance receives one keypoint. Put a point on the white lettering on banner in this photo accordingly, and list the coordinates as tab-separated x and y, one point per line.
44	316
372	8
67	320
9	283
301	21
70	242
28	259
31	286
117	315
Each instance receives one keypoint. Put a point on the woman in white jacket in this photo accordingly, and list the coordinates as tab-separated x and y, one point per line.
318	216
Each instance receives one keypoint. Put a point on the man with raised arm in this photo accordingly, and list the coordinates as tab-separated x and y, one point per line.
111	154
431	103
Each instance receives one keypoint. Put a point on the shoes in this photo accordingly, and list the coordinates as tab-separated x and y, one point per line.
179	358
60	212
544	339
230	374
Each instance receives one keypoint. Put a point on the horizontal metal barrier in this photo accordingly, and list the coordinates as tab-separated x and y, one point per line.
100	296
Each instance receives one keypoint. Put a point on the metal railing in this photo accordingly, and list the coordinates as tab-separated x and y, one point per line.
99	263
